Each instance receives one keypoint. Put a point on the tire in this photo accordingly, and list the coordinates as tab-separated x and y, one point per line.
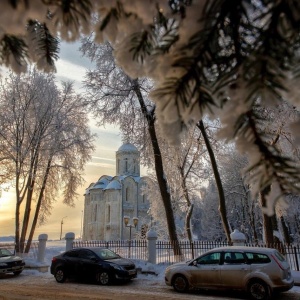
258	290
180	284
103	278
60	275
17	273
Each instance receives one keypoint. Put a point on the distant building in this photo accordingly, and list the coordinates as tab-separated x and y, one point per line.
111	198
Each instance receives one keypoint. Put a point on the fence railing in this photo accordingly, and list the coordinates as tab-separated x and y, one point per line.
137	249
33	251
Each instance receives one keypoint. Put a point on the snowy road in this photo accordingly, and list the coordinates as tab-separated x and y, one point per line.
44	287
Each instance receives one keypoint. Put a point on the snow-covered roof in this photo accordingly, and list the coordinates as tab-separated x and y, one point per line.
128	147
101	183
113	185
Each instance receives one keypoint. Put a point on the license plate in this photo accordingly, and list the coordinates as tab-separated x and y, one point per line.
15	268
131	272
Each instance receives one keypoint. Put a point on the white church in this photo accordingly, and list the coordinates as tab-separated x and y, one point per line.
111	199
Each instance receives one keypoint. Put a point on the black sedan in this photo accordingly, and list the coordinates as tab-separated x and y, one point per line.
9	263
97	264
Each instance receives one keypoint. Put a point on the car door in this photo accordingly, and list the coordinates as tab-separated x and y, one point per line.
88	264
234	269
71	262
206	273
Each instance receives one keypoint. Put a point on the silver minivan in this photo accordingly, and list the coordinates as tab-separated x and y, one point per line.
257	270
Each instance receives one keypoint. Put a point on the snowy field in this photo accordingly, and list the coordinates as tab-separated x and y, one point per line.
57	247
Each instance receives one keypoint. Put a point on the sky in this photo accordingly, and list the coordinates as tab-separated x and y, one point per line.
71	66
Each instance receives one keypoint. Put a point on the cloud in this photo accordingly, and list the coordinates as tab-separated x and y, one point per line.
103	158
67	71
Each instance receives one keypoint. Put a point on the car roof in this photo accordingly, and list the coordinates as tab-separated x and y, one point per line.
89	248
243	248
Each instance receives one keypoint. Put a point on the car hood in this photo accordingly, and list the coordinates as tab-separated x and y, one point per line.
181	264
9	259
120	261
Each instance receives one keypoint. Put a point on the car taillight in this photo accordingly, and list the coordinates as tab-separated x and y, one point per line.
278	262
54	259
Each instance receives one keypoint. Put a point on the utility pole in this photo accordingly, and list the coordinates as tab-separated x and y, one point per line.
61	224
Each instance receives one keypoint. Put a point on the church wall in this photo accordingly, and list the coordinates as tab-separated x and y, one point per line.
86	217
112	198
127	164
130	196
143	207
112	215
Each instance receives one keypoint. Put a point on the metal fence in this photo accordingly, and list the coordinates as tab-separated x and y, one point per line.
189	250
33	251
137	249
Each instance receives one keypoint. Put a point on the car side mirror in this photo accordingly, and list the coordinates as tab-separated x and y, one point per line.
195	263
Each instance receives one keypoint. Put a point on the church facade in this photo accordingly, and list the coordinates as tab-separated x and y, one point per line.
112	198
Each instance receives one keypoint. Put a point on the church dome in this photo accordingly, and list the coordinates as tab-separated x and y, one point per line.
101	183
128	147
113	185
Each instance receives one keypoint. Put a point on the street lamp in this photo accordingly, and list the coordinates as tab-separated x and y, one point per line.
61	224
126	222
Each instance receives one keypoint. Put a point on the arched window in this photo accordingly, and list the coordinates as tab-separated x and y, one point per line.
126	165
118	166
126	194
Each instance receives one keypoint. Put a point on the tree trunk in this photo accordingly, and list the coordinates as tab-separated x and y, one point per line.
37	209
160	174
285	230
267	221
189	204
222	204
188	218
29	188
17	214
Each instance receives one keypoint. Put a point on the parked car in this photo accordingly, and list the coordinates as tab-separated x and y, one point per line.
259	271
97	264
9	263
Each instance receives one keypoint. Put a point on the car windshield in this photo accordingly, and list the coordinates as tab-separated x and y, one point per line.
106	254
5	252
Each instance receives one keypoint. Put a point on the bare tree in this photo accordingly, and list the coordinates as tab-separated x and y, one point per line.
115	97
199	53
45	139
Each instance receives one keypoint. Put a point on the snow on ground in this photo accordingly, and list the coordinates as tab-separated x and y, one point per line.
56	247
151	274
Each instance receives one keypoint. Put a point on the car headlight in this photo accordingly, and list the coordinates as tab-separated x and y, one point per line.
3	265
117	267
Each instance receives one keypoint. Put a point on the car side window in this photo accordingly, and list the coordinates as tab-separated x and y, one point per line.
73	253
86	254
209	259
257	258
234	258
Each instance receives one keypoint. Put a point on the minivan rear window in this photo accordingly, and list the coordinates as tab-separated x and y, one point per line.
257	258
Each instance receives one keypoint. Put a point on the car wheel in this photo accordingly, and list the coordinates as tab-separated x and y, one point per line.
180	284
258	290
60	275
17	273
103	278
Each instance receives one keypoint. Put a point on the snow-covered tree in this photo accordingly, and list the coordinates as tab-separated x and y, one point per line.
224	58
45	142
114	97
